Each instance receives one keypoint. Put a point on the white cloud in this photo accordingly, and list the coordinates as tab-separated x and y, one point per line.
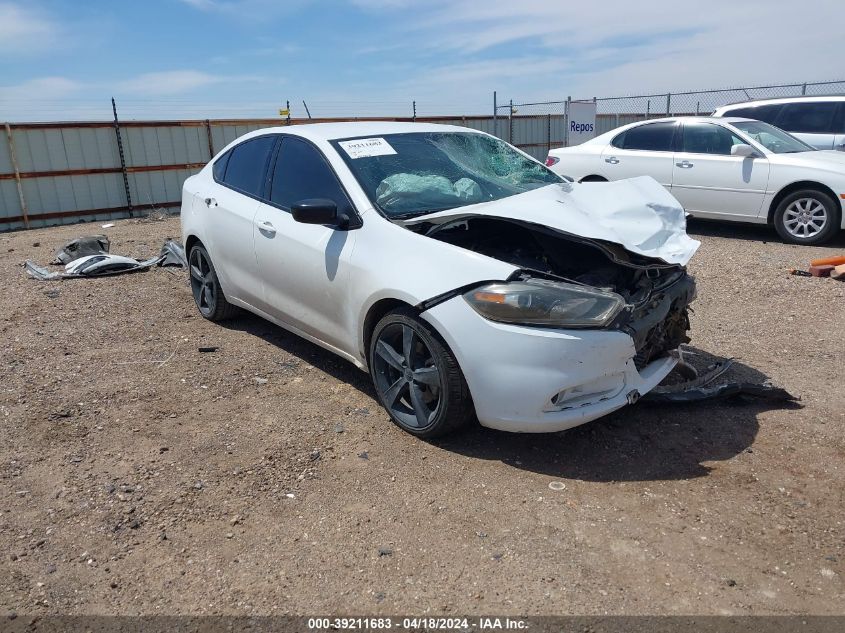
166	94
169	82
202	4
23	30
40	88
616	47
249	10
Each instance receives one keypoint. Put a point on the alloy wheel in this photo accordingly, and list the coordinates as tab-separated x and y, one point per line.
805	217
203	283
407	376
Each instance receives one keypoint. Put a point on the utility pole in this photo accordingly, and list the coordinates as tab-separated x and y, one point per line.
122	159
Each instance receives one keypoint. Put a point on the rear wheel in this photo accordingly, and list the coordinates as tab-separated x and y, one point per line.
208	295
808	216
417	379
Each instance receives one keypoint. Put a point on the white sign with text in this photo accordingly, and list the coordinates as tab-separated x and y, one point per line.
582	121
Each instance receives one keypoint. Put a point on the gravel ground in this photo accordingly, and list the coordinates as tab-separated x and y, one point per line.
140	476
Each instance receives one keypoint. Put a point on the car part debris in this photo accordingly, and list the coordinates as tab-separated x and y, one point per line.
699	388
207	350
173	254
765	391
102	263
82	247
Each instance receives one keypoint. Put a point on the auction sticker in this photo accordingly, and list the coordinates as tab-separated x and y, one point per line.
366	147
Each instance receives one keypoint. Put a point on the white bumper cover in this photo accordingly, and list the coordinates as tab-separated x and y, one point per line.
538	380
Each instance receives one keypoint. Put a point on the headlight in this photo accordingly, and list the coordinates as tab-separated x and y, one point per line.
540	302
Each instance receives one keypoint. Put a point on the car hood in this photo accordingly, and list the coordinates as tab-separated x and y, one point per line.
638	214
828	159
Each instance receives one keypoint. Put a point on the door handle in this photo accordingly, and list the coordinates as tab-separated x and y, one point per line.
612	160
684	164
210	202
267	227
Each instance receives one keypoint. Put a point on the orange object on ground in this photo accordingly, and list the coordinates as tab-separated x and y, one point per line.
829	261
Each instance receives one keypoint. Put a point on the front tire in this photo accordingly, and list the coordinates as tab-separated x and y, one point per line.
416	377
807	217
205	286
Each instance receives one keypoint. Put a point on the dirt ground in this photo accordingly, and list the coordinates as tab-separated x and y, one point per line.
140	476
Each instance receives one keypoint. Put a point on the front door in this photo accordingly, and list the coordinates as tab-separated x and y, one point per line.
304	267
708	181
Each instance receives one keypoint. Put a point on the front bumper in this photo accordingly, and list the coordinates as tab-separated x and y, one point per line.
539	380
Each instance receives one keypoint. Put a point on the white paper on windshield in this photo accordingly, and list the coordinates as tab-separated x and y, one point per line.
366	147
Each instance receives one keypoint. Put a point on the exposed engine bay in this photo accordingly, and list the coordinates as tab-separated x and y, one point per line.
657	294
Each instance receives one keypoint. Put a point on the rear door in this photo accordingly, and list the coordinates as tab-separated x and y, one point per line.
239	180
305	267
814	122
708	181
643	150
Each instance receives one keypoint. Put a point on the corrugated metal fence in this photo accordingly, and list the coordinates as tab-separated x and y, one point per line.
61	173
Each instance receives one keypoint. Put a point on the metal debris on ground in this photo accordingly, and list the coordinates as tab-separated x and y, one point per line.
89	257
698	387
82	247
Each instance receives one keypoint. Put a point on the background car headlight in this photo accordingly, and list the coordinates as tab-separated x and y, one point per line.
540	302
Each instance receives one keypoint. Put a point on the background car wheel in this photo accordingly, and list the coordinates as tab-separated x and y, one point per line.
416	377
205	287
807	217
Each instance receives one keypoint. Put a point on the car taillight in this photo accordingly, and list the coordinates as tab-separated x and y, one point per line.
551	160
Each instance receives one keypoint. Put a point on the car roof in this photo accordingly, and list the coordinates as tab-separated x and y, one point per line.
350	129
775	100
687	119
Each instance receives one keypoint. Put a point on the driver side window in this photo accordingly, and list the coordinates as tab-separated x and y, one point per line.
301	173
708	138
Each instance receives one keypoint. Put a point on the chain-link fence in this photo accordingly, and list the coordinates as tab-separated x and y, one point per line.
540	126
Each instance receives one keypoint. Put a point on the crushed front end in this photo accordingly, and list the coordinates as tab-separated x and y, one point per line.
535	377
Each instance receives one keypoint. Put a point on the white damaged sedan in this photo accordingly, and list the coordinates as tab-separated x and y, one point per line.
466	277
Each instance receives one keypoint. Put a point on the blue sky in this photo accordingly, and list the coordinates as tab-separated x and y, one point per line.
63	59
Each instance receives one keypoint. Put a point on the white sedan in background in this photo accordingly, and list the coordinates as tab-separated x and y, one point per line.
467	278
725	169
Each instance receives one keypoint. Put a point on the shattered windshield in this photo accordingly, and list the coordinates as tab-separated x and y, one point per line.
412	174
772	138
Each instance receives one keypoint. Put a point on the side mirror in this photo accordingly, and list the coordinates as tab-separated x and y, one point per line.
315	211
741	149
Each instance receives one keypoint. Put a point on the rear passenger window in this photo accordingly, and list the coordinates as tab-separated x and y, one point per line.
656	137
808	117
247	165
219	167
764	113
